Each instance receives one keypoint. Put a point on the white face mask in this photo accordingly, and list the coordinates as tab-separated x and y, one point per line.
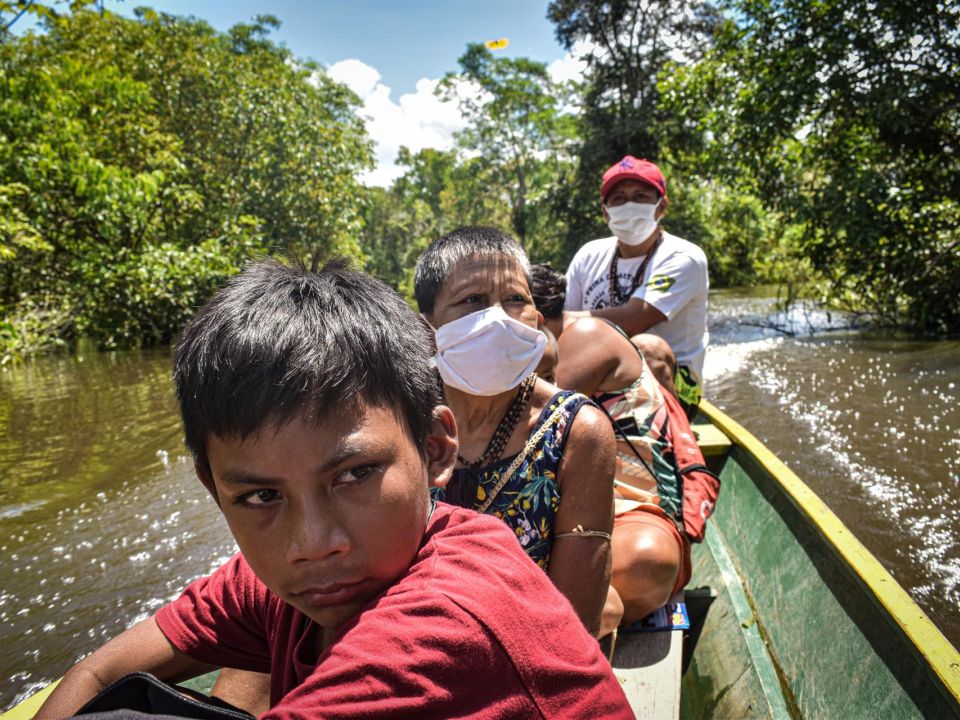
632	222
487	352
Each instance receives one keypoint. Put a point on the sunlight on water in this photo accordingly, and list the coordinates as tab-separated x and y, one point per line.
102	520
871	424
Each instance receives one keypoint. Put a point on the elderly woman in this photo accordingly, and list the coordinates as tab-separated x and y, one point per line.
539	458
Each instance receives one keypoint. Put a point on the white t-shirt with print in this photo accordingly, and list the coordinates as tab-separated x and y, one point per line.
675	283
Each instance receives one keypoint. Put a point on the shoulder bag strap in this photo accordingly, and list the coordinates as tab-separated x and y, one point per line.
527	450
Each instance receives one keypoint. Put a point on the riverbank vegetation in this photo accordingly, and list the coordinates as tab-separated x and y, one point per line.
813	144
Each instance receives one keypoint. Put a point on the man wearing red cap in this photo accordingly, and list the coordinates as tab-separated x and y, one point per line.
650	283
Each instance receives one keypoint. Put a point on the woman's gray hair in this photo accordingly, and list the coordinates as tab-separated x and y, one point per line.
444	253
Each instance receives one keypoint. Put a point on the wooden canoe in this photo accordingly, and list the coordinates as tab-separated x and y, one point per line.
792	616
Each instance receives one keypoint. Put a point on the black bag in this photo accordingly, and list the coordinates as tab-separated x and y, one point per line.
142	692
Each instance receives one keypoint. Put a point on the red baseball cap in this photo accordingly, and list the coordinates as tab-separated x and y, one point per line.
632	169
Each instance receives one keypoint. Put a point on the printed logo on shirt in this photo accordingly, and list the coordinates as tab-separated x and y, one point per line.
597	294
661	283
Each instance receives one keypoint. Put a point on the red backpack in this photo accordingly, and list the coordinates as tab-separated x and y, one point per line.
701	486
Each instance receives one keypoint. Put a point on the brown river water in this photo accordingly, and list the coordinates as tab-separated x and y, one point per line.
102	520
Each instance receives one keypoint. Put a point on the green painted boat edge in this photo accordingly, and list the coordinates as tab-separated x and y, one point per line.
941	658
763	664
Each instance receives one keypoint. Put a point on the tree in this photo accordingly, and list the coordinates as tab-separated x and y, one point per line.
628	44
142	161
843	116
519	129
439	191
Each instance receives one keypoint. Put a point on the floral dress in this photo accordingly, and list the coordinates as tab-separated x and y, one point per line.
529	501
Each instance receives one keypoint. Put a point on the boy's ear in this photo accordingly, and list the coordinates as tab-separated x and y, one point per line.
441	447
203	474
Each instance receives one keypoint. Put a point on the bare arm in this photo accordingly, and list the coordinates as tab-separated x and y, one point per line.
586	357
142	648
635	317
580	566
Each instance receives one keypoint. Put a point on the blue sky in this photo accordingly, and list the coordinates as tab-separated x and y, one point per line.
391	53
404	40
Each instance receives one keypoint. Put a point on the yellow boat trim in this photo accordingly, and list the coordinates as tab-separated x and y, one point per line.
941	656
28	708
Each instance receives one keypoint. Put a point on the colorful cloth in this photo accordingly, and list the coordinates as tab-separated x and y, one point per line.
640	412
529	501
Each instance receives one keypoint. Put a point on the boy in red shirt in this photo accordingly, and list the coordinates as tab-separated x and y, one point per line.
313	417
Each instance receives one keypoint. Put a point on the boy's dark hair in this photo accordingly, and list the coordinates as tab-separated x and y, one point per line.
549	290
444	253
277	341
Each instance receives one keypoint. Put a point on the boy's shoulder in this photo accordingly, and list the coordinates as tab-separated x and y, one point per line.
472	605
465	553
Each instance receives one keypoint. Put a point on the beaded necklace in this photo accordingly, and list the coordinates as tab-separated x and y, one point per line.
616	298
506	427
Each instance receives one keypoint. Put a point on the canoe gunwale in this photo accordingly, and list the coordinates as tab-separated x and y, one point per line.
942	661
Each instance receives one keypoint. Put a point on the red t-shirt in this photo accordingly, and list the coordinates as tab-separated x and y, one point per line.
473	630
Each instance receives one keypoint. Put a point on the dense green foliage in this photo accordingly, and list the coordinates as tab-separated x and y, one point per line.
843	116
438	192
142	161
813	143
517	130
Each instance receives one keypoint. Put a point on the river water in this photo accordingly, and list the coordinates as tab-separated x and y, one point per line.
102	520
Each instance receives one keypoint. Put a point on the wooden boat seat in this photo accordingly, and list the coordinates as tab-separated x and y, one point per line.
711	439
648	666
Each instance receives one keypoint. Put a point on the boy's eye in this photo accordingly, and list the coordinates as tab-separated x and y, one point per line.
357	474
471	299
258	498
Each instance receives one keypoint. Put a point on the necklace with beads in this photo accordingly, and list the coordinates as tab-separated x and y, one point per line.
506	427
616	297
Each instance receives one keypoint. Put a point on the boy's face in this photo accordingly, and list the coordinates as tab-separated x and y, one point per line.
329	514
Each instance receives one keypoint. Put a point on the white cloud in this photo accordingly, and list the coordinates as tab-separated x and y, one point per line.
418	120
572	65
356	75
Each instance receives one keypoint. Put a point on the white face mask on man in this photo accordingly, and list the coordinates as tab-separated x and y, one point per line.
632	222
487	352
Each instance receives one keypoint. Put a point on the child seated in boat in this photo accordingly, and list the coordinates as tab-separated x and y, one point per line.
651	548
313	418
